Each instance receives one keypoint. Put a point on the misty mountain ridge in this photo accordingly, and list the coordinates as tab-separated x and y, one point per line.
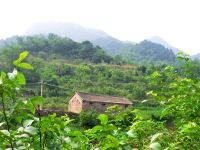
97	37
79	34
196	57
159	40
70	30
152	49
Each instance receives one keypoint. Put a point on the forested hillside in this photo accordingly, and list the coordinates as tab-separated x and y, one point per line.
66	66
159	40
147	52
54	47
110	44
62	78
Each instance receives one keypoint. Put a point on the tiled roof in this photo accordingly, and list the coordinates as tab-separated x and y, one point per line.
103	98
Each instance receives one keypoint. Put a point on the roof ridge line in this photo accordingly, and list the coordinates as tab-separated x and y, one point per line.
101	95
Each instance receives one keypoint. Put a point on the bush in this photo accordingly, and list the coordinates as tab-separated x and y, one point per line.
120	117
88	119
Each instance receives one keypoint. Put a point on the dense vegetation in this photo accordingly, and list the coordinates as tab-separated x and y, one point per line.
127	81
147	52
165	115
177	127
52	46
66	66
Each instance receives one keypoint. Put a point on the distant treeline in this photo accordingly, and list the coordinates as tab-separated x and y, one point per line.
55	47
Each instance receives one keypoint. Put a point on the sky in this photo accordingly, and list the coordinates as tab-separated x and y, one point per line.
176	21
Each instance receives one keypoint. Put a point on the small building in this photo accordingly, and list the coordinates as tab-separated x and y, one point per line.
85	101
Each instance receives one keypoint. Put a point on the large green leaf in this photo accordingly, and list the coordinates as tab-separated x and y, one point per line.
30	107
27	123
37	100
103	118
25	66
20	78
96	128
3	77
21	57
112	143
5	132
31	130
19	63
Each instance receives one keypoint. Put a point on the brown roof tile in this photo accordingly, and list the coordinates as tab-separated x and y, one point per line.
103	98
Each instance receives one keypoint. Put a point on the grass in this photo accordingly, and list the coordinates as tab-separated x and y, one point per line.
146	112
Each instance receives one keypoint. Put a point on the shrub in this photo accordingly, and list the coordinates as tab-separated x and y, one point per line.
88	119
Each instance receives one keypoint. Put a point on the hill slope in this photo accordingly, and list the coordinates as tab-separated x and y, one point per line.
70	30
147	52
197	56
79	34
158	40
53	46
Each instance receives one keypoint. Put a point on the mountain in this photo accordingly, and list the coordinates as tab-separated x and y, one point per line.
70	30
55	47
147	52
159	40
79	34
153	50
8	41
197	56
113	45
2	43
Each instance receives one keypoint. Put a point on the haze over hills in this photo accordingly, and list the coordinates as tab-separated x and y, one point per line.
71	30
97	37
197	56
79	34
159	40
151	50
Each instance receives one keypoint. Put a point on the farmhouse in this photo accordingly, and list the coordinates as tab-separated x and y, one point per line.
85	101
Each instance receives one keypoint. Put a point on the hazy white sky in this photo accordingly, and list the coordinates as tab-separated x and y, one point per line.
176	21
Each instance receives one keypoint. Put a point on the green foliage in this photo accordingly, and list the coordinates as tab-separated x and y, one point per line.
19	63
122	118
147	52
88	119
23	127
53	46
102	79
179	97
107	136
